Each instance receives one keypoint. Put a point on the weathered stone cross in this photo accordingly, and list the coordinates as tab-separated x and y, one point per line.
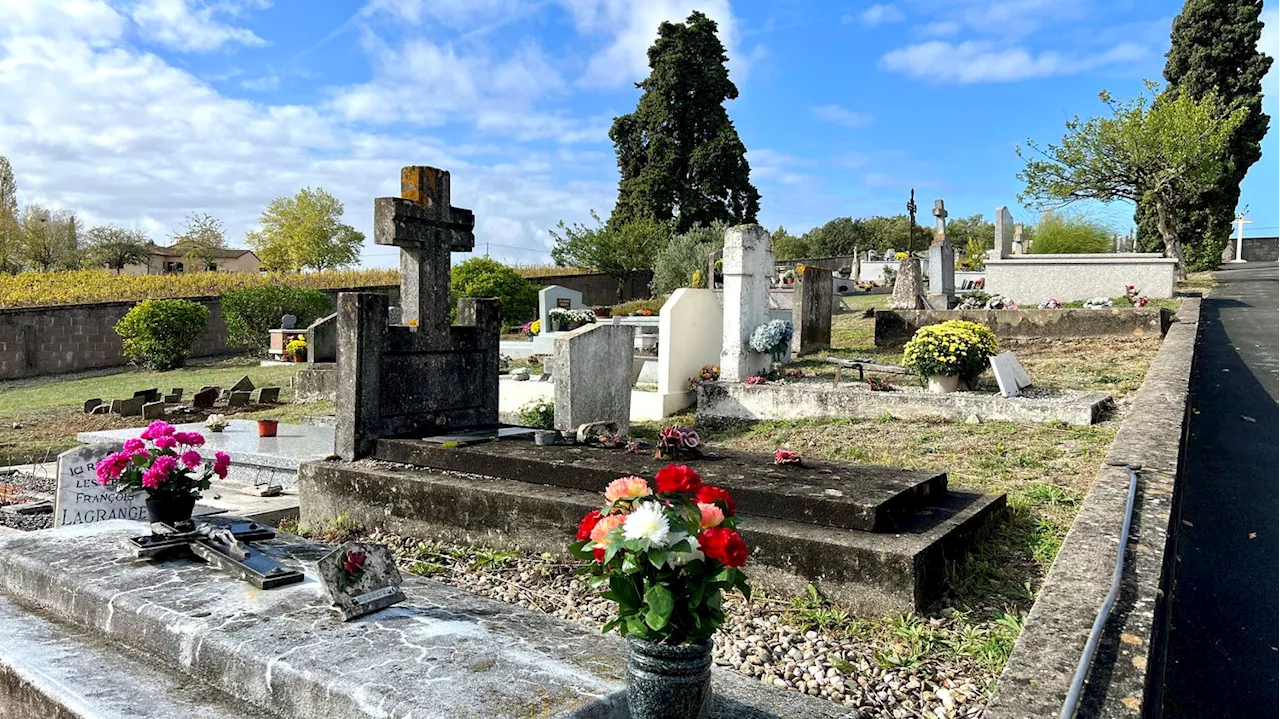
940	230
426	228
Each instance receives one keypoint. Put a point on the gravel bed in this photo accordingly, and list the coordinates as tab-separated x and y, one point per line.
757	640
23	487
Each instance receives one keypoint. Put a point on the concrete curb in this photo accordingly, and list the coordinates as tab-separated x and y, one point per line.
1127	675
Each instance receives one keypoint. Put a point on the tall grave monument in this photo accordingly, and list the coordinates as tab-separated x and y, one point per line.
908	286
942	262
427	375
748	263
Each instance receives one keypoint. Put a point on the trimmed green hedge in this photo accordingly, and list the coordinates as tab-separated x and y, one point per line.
159	333
250	313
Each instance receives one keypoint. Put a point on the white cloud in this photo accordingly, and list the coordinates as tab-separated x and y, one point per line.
881	14
181	25
842	116
631	27
266	83
94	124
773	166
453	13
985	61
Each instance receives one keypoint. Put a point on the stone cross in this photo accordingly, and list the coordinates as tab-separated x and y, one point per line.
940	212
911	226
223	546
426	228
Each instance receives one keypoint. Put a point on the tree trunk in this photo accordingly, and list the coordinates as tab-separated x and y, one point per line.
1171	245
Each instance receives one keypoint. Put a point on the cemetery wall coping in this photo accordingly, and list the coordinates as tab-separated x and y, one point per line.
1127	675
894	327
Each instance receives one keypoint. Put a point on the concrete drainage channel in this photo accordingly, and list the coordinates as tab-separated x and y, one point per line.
1126	675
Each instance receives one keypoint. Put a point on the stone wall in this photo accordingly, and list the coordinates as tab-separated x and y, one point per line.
1032	279
1127	674
1256	249
38	341
895	327
598	288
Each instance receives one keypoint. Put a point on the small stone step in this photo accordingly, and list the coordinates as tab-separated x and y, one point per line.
862	497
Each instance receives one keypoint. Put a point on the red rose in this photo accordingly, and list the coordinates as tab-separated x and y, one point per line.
598	553
677	478
588	523
723	545
711	495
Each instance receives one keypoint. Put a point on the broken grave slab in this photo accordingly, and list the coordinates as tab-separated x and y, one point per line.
863	497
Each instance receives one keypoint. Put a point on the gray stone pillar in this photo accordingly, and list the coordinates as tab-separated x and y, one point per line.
593	376
811	311
748	264
908	287
362	329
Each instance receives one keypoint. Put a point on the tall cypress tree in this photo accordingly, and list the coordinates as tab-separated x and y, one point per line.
1215	48
678	153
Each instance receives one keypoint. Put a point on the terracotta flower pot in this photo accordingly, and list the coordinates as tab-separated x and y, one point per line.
268	427
170	510
943	384
666	681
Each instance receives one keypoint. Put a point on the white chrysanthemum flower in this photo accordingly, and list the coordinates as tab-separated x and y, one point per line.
679	559
648	521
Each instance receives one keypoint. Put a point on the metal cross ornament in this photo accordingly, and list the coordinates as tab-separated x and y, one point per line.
911	228
223	546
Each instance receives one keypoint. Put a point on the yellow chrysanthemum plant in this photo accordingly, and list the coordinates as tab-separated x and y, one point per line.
955	347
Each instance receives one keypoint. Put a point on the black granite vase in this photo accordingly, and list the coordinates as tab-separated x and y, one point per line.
170	510
666	681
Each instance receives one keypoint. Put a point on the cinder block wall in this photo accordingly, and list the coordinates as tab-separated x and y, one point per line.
38	341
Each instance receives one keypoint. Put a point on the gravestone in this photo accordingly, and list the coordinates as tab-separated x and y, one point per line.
908	286
322	340
132	407
102	409
80	499
1017	246
1004	235
395	316
288	322
206	397
748	265
91	404
148	395
360	578
173	398
811	311
556	297
393	380
1010	374
116	405
269	395
942	262
244	384
239	398
153	410
593	376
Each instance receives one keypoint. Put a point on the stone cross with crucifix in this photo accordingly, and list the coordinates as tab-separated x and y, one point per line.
427	229
224	546
940	230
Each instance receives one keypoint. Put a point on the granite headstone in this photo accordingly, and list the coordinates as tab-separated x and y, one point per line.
360	578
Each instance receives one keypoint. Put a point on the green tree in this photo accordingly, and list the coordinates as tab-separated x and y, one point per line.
201	237
160	333
686	253
841	236
47	239
963	230
787	246
484	277
620	251
1163	150
305	232
1214	51
116	247
10	228
678	154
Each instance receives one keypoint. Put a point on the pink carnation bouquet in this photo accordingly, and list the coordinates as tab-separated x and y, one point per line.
163	463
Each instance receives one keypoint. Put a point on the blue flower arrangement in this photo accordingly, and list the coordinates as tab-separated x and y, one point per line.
772	337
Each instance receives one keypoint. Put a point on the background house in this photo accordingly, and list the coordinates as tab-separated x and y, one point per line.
168	260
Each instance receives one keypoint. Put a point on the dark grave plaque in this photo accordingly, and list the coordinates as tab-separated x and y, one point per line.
476	436
224	546
360	578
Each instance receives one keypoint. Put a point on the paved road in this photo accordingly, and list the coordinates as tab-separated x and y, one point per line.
1223	645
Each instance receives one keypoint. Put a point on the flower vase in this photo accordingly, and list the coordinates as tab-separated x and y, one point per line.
943	384
666	681
268	427
170	510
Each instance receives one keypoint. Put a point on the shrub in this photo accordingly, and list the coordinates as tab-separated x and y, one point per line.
159	333
955	347
685	254
538	413
251	312
1058	234
653	307
485	277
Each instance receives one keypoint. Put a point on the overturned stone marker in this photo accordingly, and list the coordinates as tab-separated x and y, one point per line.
1010	374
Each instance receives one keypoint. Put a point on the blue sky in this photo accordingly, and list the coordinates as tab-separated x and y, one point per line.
140	112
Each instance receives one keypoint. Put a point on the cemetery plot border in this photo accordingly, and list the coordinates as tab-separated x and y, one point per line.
894	327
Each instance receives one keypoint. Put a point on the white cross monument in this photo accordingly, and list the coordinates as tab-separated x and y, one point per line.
1240	222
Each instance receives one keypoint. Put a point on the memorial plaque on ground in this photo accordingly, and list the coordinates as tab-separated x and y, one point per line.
1010	374
360	578
80	499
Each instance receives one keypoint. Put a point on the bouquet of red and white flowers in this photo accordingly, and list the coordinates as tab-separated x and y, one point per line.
666	554
163	463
